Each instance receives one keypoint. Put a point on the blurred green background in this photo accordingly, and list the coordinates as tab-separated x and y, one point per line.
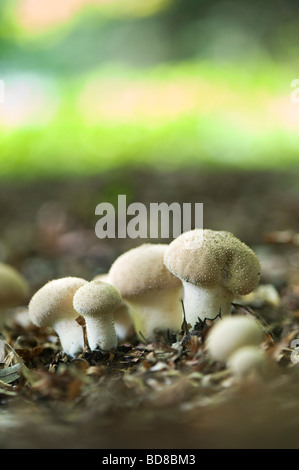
91	85
159	100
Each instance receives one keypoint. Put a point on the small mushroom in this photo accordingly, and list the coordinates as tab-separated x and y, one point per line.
152	292
248	361
213	267
14	289
122	319
97	302
52	306
265	294
230	334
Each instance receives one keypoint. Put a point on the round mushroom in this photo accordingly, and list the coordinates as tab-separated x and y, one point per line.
248	361
14	289
232	333
213	266
52	306
152	292
96	302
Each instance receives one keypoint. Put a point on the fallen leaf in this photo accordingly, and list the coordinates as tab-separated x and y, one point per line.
10	374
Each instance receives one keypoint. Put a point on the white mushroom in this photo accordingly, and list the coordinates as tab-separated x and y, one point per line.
248	361
234	332
263	294
52	306
122	319
152	292
97	302
213	267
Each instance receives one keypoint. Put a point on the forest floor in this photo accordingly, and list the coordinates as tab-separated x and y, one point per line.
164	395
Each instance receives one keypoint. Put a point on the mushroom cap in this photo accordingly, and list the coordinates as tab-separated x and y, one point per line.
14	288
208	258
232	333
141	270
54	301
97	298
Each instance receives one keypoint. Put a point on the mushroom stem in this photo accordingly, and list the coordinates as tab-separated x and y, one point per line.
146	312
205	302
71	336
101	332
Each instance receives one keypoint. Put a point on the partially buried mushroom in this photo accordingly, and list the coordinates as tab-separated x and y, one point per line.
249	361
236	341
96	302
14	289
234	332
52	306
152	292
213	266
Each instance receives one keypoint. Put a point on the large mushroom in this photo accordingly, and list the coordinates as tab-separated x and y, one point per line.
52	306
152	292
213	266
96	302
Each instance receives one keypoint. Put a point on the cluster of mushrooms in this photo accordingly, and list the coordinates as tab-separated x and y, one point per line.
157	287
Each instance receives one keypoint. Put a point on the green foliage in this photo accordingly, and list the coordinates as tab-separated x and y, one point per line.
170	85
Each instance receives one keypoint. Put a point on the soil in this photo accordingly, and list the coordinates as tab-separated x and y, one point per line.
164	395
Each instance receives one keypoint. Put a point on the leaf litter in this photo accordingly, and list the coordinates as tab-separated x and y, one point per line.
173	380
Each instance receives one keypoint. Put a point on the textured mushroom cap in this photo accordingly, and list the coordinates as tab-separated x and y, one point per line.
54	301
96	298
208	258
232	333
141	270
13	286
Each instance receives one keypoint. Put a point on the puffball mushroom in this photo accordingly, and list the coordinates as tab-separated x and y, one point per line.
152	292
213	266
234	332
248	360
14	289
97	302
122	319
52	306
